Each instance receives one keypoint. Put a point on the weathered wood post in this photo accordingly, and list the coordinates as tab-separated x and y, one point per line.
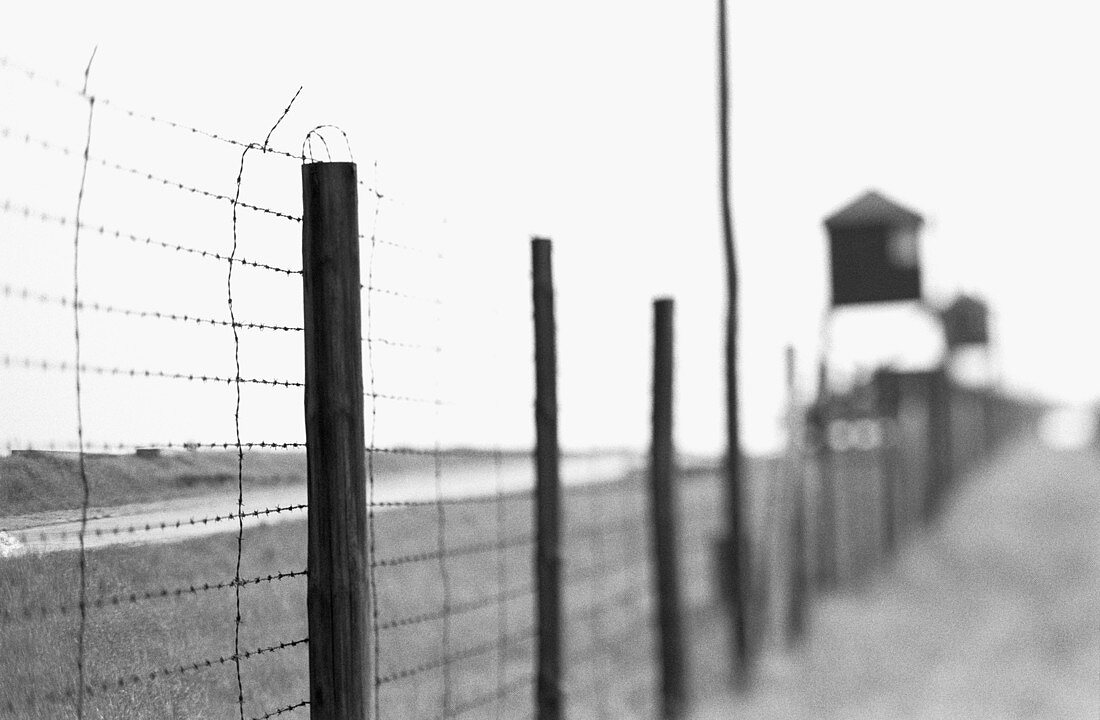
939	443
663	507
337	593
887	403
547	488
827	522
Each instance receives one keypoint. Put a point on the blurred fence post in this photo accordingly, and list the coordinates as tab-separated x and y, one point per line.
887	403
337	595
939	442
662	504
547	488
827	501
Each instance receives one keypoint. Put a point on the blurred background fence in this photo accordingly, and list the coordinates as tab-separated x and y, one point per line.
154	560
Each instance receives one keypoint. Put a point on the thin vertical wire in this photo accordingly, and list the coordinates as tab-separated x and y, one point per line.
738	546
600	679
441	527
371	541
237	412
240	449
85	490
502	583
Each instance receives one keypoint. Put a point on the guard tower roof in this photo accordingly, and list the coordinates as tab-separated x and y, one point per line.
872	208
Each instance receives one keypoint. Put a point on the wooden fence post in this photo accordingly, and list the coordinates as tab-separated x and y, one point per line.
663	507
887	394
827	522
939	442
337	592
547	488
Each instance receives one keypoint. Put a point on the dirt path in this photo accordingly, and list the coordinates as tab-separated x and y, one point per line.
181	519
994	614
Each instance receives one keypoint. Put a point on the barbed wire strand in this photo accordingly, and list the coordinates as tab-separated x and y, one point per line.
282	710
237	408
496	696
123	681
63	366
462	608
465	654
112	447
26	294
53	445
85	488
461	551
41	612
28	139
10	207
44	536
7	63
34	75
29	295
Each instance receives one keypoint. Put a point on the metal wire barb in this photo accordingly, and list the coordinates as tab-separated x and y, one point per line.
62	366
466	654
148	527
28	295
472	549
30	612
283	710
12	208
27	138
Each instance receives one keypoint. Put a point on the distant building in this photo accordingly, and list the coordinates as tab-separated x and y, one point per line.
966	322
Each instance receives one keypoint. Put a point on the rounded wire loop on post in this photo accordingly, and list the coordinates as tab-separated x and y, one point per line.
307	143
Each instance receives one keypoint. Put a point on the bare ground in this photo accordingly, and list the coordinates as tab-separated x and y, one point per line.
992	614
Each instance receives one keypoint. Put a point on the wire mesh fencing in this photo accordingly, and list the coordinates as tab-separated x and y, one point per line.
153	454
131	323
176	585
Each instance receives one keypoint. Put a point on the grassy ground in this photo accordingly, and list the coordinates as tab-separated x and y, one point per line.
425	663
888	632
991	615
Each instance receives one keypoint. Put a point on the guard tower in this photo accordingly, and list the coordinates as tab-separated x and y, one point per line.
874	248
966	322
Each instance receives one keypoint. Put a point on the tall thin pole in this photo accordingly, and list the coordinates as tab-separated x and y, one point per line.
547	488
737	545
673	674
337	592
798	600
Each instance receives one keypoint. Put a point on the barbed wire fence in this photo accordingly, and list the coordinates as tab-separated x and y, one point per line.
147	647
415	646
118	600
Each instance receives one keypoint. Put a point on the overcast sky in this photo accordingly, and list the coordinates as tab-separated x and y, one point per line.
592	123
